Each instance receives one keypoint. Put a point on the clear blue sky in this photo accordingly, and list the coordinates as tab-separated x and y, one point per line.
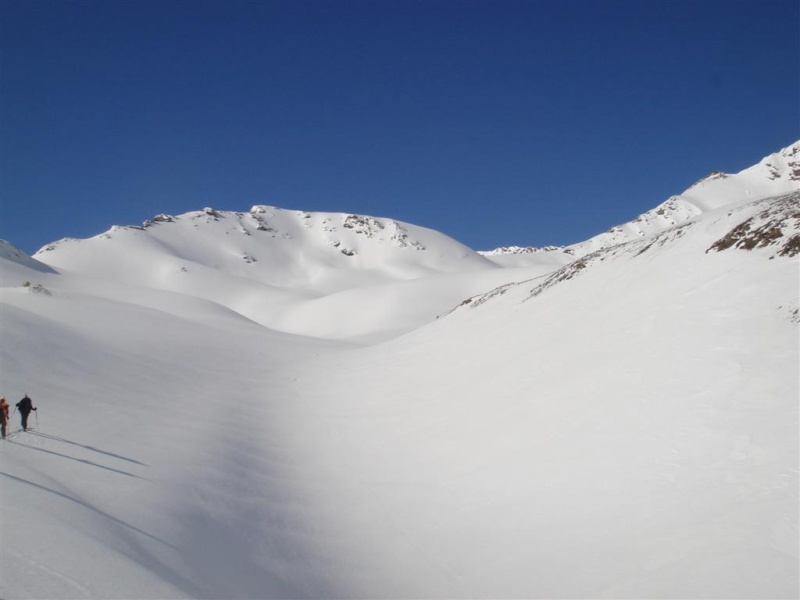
506	122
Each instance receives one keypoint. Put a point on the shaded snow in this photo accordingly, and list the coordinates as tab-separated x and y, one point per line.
17	264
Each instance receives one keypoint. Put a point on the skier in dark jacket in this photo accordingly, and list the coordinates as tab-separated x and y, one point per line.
25	406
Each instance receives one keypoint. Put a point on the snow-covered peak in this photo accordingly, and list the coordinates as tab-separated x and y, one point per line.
783	165
304	272
270	245
776	174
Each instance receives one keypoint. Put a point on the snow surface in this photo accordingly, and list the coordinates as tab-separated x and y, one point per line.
232	406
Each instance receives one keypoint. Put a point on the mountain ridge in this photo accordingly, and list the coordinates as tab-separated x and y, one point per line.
770	225
280	267
775	173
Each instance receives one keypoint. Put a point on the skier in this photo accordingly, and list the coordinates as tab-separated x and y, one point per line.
25	407
3	416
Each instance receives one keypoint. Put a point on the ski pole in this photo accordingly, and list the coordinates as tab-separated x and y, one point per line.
37	418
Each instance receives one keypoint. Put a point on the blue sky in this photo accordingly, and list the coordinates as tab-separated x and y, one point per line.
498	123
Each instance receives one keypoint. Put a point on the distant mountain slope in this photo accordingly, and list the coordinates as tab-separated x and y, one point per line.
770	225
516	256
319	274
775	174
315	252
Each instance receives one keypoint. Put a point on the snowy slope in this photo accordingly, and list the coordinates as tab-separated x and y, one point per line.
156	434
621	425
627	430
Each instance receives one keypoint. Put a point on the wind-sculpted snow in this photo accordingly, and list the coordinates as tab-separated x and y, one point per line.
620	423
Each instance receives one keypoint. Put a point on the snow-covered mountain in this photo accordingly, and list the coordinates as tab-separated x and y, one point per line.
228	409
776	174
313	252
319	274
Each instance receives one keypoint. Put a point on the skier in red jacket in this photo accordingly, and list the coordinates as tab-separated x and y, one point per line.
3	416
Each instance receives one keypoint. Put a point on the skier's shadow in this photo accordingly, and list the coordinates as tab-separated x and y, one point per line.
90	507
92	448
80	460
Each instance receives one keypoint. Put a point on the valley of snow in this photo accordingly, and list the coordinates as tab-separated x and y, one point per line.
277	404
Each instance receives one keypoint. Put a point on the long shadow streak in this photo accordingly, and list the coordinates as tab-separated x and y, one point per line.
81	460
92	448
90	507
